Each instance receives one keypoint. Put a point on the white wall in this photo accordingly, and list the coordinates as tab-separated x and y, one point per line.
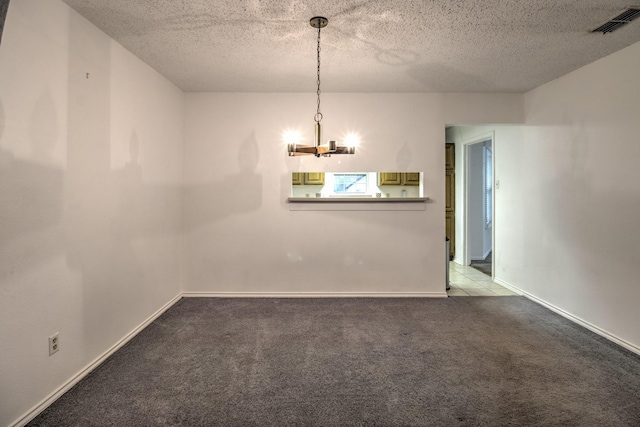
90	201
573	186
240	236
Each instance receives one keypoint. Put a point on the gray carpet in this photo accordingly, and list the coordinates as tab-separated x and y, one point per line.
486	361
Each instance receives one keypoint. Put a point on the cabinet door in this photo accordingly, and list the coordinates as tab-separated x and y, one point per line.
450	211
389	178
296	178
450	197
450	156
314	178
411	178
449	193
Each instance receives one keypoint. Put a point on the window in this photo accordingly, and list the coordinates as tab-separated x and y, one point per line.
488	186
350	183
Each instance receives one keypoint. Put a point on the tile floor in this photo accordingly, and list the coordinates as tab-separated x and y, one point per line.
467	281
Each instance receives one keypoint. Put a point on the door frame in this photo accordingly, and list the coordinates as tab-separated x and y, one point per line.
466	145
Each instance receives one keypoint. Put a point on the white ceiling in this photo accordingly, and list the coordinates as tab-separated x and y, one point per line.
368	46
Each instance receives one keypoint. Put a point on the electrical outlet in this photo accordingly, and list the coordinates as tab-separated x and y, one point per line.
54	343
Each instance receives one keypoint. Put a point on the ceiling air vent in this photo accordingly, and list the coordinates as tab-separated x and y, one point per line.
619	21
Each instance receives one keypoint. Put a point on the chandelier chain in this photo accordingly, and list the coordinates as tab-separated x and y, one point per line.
318	116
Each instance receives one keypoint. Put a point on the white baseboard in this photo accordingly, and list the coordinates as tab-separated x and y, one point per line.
442	294
573	318
44	404
508	286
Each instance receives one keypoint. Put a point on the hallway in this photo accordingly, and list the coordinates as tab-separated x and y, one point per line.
467	281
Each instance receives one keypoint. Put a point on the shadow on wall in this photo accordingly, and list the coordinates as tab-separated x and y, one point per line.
120	234
213	201
30	200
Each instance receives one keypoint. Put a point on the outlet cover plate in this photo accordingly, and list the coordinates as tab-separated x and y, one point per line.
54	343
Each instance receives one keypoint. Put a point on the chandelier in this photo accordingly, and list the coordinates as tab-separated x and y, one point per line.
319	149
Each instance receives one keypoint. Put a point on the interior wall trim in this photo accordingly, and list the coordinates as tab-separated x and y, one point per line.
46	402
509	286
442	294
605	334
371	204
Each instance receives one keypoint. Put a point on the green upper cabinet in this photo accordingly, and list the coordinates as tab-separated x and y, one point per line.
314	178
411	178
296	178
389	178
307	178
398	178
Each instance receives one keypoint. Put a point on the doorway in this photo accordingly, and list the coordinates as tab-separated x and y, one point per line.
476	149
479	204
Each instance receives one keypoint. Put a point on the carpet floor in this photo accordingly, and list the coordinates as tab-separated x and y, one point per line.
485	361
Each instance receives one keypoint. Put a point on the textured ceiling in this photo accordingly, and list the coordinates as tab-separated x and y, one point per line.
368	46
